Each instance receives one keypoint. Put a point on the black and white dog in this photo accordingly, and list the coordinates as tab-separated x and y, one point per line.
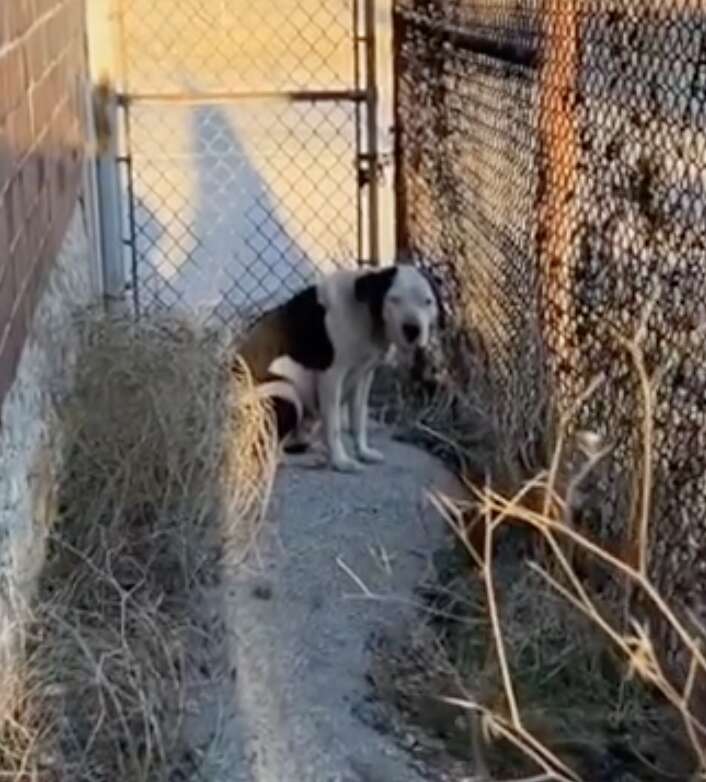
316	354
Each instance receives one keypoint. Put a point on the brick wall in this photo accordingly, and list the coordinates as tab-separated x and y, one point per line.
42	66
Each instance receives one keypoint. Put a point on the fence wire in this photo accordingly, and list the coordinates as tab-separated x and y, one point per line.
552	169
244	137
216	45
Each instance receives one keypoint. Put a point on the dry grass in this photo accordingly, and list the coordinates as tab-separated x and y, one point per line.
167	466
556	654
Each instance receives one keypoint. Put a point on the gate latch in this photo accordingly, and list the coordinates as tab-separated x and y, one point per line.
384	161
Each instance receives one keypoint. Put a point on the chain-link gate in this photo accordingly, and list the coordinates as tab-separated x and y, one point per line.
249	151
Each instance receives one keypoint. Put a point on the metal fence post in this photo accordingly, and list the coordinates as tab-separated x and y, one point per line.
402	247
101	16
559	159
372	132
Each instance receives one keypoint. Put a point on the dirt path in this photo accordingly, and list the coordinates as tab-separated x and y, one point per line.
299	625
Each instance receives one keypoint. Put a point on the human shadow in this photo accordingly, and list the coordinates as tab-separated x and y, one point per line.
244	259
232	255
221	248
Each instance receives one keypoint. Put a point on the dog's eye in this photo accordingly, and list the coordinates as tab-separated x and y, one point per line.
395	299
428	302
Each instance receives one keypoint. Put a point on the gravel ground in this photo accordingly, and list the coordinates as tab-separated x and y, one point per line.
335	567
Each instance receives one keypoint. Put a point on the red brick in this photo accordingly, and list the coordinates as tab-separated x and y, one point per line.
58	78
80	20
6	161
75	64
19	131
42	103
62	125
20	17
56	34
57	138
42	100
36	53
72	107
68	13
47	94
41	153
4	25
43	7
13	80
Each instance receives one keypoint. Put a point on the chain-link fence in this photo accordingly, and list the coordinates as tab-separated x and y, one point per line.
247	148
552	166
466	167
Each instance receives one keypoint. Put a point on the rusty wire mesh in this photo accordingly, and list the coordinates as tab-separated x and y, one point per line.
552	168
466	169
242	141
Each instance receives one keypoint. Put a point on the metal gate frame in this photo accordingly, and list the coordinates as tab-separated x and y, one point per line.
363	95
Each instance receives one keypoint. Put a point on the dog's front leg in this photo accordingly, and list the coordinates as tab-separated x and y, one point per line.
330	398
359	418
349	410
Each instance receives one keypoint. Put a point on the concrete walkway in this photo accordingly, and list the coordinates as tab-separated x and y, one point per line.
337	562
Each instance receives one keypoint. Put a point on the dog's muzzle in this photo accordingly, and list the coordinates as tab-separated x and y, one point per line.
411	332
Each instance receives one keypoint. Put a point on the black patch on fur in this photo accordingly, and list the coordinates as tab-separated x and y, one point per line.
286	420
371	289
285	416
304	322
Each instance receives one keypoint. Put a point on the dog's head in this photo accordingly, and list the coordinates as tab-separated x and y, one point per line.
404	304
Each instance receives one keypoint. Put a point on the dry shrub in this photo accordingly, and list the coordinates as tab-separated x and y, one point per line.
167	465
556	651
567	675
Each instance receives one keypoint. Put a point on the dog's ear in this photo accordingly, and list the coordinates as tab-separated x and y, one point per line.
371	289
436	289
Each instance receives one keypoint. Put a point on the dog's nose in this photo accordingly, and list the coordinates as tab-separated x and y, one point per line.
411	331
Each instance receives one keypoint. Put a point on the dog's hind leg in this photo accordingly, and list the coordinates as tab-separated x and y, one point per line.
288	412
286	420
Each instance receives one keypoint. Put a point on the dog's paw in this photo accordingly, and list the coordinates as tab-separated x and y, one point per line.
370	456
346	464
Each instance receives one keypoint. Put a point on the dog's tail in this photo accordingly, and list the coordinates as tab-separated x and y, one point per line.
288	410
